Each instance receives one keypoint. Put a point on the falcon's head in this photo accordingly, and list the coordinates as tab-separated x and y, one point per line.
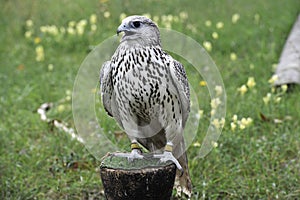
139	30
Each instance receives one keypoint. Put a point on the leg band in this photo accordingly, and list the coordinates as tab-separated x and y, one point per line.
169	148
135	146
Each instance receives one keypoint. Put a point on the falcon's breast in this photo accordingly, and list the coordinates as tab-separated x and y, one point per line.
140	78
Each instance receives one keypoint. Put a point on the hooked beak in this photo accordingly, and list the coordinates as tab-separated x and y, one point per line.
123	27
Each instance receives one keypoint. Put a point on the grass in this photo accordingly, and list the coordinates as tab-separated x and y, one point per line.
39	161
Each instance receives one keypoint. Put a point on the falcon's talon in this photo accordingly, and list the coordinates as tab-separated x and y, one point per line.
168	156
135	154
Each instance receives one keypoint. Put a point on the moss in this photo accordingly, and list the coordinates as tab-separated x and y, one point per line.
116	162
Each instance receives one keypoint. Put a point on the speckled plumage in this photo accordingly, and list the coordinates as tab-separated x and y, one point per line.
147	91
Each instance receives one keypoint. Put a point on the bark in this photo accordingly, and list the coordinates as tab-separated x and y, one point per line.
142	179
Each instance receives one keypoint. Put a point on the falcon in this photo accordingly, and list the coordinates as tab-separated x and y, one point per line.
147	93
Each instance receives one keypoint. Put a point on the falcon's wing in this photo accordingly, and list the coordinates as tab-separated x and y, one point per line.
106	86
181	83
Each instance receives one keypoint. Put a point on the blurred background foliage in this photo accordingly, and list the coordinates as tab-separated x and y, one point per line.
43	44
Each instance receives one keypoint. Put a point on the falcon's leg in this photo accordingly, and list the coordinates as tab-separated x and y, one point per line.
173	137
168	156
136	152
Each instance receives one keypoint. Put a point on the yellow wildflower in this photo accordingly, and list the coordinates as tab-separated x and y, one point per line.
164	18
68	92
72	24
215	144
215	35
207	45
37	40
82	22
246	121
149	16
208	23
243	89
80	26
222	121
196	144
249	120
214	103
71	30
199	114
52	30
242	126
50	67
156	19
233	126
212	112
235	18
273	90
93	19
192	28
39	50
216	123
80	30
234	118
284	88
251	82
122	16
28	34
106	14
219	90
267	98
68	98
274	66
220	25
183	15
43	29
278	99
202	83
68	95
29	23
243	123
273	79
61	108
233	56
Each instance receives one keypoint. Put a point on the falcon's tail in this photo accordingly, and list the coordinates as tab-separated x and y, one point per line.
183	182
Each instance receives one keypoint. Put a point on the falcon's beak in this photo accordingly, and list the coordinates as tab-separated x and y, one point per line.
123	27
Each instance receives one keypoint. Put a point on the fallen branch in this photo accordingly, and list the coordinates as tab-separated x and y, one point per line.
44	108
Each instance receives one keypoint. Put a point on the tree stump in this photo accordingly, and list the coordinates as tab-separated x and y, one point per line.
144	179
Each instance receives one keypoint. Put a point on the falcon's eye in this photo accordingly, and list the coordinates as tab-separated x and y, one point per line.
136	24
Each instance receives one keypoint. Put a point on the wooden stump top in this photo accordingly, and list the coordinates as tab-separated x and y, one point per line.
143	179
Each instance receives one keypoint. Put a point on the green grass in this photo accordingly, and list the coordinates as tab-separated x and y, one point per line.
38	161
